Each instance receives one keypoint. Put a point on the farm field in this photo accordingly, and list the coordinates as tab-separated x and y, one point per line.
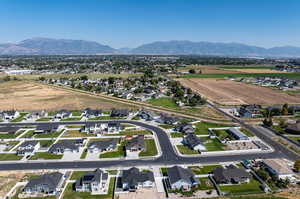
227	92
23	95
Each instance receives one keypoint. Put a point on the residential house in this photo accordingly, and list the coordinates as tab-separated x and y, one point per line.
119	113
167	120
185	128
93	128
279	168
28	148
92	113
63	147
293	128
95	182
114	127
9	115
49	184
249	111
231	175
136	144
47	128
63	114
237	134
194	142
181	178
35	115
147	115
133	179
102	145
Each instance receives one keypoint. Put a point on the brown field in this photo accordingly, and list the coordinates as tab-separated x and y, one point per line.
29	96
250	70
235	93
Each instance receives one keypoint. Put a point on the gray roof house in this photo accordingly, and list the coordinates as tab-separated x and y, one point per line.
102	145
147	115
167	120
231	175
46	184
136	144
92	113
9	115
181	178
293	128
46	128
94	182
64	146
119	113
194	142
62	114
133	178
237	134
114	127
185	128
28	147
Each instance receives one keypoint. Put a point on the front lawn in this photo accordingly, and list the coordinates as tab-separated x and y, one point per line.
28	134
151	149
77	174
246	188
46	143
202	127
84	154
105	118
247	132
11	136
69	192
214	145
71	119
45	156
76	113
205	184
76	133
167	126
186	150
44	119
49	135
9	156
176	135
130	133
20	118
120	152
222	135
205	169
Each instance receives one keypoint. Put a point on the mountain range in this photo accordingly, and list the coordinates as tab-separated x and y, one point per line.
47	46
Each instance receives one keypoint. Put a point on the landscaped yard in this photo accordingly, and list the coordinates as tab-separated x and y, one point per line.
76	113
205	184
20	118
83	155
176	135
296	139
45	156
166	126
105	118
131	132
49	135
76	133
247	132
186	150
202	127
214	145
72	119
151	149
120	152
246	188
9	156
69	192
74	126
28	134
46	143
222	135
205	169
77	174
44	119
10	136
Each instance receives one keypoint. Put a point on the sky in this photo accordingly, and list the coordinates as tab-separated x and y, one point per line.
130	23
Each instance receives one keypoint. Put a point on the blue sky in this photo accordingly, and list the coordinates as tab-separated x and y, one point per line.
129	23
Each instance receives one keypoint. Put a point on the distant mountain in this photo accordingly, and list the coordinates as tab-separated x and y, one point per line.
217	49
46	46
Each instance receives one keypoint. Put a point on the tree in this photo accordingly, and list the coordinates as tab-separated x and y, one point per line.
285	109
192	71
297	165
84	77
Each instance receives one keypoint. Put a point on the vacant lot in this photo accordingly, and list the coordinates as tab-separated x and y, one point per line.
235	93
254	70
22	95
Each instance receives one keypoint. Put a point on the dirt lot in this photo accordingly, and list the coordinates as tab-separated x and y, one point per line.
28	96
254	70
143	193
235	93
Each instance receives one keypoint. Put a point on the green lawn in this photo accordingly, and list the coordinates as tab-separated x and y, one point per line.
49	135
222	134
28	134
9	156
296	139
205	184
71	119
74	126
20	118
164	171
45	156
205	169
214	145
120	152
69	193
247	132
105	118
177	135
151	149
164	102
77	174
76	133
76	113
44	119
83	155
246	188
46	143
202	127
186	150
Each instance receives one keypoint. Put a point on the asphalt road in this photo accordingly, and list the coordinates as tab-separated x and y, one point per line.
168	157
